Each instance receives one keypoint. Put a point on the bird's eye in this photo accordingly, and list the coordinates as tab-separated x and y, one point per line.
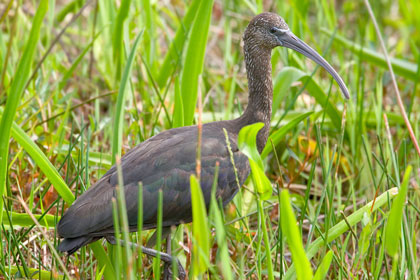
273	30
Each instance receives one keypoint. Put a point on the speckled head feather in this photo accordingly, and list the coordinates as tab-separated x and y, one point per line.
260	30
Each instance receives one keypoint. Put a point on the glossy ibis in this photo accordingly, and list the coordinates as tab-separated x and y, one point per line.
166	161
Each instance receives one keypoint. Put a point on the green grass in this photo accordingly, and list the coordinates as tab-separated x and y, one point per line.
124	71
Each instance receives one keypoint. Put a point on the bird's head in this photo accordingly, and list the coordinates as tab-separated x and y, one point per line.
269	30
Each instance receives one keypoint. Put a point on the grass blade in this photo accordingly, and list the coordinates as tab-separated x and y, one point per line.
117	36
103	260
247	143
24	220
224	261
201	245
174	54
123	218
120	106
139	225
260	180
194	59
266	239
393	227
178	118
117	234
322	270
294	239
156	260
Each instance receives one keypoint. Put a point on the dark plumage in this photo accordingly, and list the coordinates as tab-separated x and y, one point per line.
166	160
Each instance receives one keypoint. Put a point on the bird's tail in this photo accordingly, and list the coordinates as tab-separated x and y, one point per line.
71	245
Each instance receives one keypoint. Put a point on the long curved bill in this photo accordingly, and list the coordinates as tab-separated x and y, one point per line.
289	40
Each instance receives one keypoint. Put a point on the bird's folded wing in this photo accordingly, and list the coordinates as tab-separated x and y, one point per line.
164	162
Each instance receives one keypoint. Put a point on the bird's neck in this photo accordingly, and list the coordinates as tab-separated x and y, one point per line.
258	66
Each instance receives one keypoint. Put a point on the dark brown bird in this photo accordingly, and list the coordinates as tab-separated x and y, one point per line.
166	161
